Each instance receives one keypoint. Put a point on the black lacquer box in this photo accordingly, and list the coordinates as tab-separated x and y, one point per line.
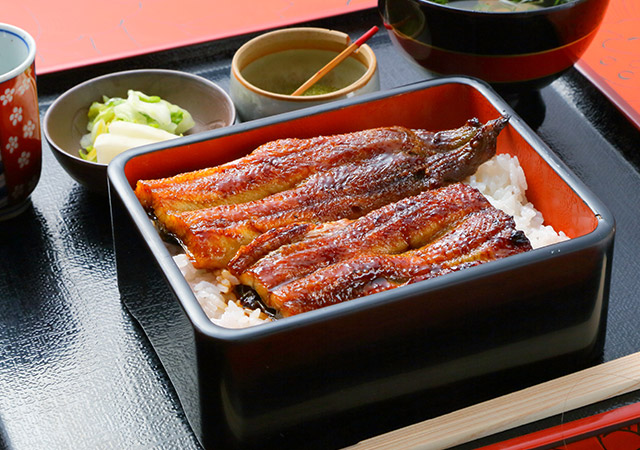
522	318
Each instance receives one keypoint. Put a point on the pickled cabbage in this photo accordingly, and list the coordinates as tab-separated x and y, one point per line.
153	120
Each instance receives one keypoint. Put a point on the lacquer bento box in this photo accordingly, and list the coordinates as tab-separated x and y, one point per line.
539	312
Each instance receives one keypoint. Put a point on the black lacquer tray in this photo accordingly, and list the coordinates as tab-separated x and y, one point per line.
76	371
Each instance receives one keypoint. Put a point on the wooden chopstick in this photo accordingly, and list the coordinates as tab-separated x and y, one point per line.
553	397
335	61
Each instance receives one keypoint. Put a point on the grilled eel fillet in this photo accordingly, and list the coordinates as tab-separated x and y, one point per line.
303	248
382	174
418	238
282	164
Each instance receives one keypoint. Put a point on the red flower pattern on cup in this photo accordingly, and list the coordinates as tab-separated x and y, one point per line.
12	143
16	115
28	129
23	161
7	97
23	85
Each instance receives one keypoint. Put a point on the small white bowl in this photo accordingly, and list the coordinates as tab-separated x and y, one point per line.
266	69
66	119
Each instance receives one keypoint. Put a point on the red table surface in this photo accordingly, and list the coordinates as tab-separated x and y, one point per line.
73	33
612	61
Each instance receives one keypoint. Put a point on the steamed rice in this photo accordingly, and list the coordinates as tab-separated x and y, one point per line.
214	291
501	180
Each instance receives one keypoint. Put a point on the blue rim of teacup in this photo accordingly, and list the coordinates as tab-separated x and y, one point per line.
31	47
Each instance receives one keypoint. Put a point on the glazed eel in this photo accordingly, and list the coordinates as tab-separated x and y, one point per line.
433	233
214	212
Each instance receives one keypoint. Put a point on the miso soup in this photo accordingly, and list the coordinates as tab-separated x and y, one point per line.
501	5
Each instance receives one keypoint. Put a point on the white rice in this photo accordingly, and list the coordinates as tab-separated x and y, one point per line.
214	292
500	179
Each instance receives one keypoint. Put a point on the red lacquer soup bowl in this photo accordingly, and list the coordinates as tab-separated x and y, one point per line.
514	51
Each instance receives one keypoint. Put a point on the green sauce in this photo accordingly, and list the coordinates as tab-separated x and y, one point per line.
284	72
319	89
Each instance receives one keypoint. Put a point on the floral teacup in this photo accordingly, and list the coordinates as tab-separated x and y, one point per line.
20	141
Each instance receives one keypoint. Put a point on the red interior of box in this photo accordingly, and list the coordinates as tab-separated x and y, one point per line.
440	107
